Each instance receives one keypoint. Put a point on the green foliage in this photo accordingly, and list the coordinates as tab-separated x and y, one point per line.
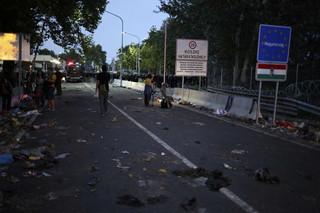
73	55
65	20
96	55
231	27
45	51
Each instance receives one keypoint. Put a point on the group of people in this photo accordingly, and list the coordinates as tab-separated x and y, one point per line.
44	86
102	89
38	85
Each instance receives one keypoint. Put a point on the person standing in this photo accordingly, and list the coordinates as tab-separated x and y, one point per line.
102	86
39	91
51	79
148	89
58	82
6	93
6	86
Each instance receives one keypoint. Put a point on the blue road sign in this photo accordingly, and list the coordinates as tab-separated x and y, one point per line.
274	43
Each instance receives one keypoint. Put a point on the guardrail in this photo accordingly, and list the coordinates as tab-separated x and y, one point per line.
285	106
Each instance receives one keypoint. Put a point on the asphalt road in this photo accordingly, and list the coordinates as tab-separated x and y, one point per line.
134	151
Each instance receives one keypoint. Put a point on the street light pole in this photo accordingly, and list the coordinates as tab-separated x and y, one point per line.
138	50
121	69
165	52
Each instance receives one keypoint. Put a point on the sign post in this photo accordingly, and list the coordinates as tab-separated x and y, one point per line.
272	56
191	58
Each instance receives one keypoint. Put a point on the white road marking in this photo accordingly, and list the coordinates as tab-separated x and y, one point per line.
226	192
251	128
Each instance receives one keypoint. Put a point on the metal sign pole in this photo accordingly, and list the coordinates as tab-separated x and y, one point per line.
275	104
221	77
258	105
297	74
250	78
165	52
182	86
199	83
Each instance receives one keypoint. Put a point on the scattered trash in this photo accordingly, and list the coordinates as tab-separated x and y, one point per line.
36	127
61	156
30	174
6	159
28	165
148	159
27	135
81	141
93	181
220	112
193	173
163	154
190	204
228	166
162	170
144	169
94	168
239	152
124	152
198	123
33	112
46	174
123	167
308	197
157	200
284	124
159	123
216	180
51	196
263	175
13	179
34	158
114	119
129	200
135	99
24	152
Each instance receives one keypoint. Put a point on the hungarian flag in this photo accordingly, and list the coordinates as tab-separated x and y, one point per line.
271	72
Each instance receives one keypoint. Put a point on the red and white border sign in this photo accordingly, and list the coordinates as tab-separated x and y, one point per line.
271	72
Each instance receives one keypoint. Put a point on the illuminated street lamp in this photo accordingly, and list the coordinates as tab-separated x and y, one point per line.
121	70
138	50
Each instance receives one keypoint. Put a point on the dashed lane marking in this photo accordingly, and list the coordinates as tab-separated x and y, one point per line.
226	192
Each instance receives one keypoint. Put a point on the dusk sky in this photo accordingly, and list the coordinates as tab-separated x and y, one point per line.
138	17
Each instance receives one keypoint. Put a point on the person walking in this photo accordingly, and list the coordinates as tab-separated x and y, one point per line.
50	80
102	86
148	89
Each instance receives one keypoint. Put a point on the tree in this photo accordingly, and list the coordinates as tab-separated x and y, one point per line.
96	55
231	27
72	55
64	20
130	57
45	51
